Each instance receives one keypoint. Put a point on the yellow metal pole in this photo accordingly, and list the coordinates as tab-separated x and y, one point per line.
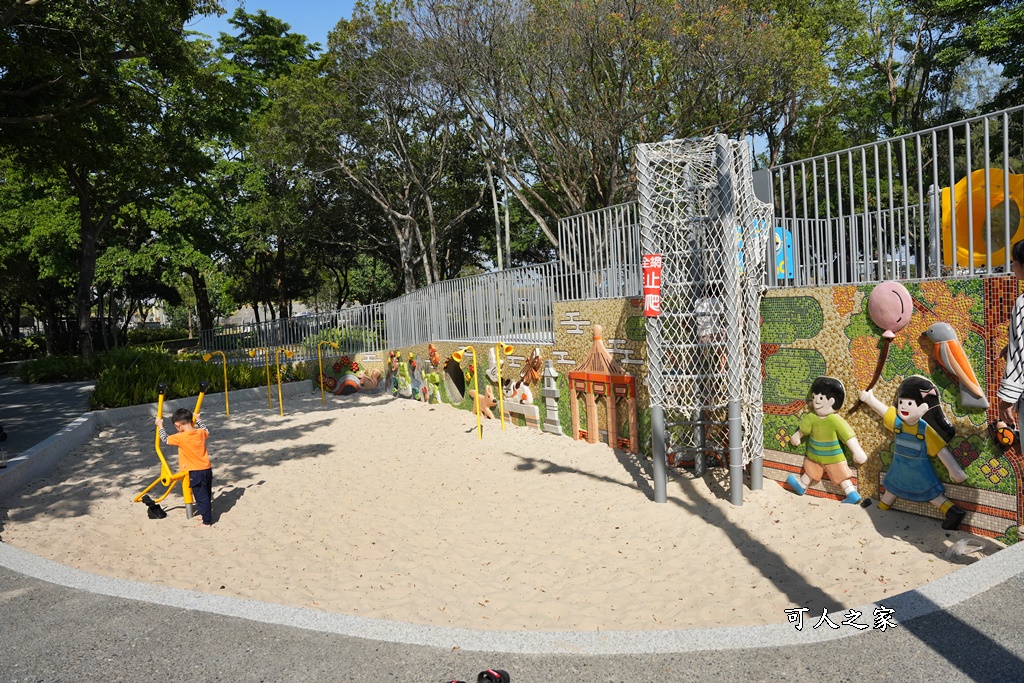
476	379
277	362
320	361
266	361
207	357
498	348
161	389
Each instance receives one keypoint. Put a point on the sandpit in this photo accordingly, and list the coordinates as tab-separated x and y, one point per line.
393	509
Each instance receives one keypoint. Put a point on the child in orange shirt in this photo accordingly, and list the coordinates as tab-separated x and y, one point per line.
192	457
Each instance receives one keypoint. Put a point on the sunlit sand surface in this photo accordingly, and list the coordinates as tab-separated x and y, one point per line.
393	509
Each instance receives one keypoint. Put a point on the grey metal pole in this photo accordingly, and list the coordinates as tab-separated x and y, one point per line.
660	472
651	242
724	214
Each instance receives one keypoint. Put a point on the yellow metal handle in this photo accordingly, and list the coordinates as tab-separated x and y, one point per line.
165	470
203	386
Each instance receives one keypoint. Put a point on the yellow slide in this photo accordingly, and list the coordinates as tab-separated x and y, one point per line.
976	205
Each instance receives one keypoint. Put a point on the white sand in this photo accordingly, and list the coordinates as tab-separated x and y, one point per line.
394	509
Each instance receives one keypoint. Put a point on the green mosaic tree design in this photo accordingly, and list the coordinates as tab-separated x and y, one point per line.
786	319
789	373
777	430
636	328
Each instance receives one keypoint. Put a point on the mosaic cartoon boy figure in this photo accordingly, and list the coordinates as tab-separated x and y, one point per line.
827	431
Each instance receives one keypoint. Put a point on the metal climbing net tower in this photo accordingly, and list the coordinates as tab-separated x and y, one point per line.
699	212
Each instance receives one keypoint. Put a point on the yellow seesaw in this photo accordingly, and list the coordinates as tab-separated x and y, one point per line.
166	478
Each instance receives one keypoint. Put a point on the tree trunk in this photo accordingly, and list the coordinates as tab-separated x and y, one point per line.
202	293
47	333
101	321
83	291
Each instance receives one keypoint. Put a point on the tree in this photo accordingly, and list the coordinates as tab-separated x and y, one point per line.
368	114
115	105
263	200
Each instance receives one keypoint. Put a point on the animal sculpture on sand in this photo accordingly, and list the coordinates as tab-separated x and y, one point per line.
484	404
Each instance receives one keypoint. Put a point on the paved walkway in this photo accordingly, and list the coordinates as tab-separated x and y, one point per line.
61	624
30	413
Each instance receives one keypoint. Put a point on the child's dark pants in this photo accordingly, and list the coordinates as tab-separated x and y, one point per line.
201	482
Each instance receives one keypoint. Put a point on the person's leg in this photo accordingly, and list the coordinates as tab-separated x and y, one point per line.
202	489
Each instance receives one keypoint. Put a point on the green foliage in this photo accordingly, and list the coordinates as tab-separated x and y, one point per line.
56	369
20	349
144	335
349	340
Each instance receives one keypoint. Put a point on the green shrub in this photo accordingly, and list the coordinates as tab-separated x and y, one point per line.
145	335
349	339
21	349
56	369
131	376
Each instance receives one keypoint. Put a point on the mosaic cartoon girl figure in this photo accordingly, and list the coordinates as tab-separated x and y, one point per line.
827	430
922	432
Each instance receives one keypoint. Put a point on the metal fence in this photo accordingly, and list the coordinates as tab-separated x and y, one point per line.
936	203
600	254
600	261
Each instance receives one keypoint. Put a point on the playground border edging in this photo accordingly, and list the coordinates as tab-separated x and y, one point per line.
938	595
38	461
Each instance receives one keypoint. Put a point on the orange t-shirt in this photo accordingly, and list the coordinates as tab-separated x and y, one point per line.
191	449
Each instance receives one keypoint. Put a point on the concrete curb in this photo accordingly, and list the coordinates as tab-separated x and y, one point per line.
42	458
944	593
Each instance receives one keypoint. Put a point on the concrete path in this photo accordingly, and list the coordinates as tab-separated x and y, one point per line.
30	413
61	624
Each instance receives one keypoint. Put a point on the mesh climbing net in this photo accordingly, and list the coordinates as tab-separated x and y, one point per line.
699	212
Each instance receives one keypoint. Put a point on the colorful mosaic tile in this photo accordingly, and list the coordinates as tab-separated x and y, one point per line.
849	346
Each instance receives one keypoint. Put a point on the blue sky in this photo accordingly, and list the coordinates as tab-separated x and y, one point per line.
312	18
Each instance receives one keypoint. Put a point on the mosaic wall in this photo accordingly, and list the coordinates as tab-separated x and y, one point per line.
826	331
625	337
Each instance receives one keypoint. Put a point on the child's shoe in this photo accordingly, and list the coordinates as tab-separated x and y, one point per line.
794	482
852	498
954	516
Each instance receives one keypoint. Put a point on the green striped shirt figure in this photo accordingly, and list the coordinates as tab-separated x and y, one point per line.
827	431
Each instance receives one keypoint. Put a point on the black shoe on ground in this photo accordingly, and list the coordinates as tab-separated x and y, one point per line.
954	516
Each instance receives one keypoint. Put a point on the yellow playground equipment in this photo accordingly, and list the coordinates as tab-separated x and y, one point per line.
967	210
166	478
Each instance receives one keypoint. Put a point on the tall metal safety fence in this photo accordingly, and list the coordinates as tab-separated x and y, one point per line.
943	202
599	260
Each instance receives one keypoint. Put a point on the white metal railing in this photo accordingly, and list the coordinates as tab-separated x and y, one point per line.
605	244
600	261
926	204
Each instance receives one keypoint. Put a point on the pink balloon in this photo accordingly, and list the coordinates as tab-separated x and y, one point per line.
890	307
